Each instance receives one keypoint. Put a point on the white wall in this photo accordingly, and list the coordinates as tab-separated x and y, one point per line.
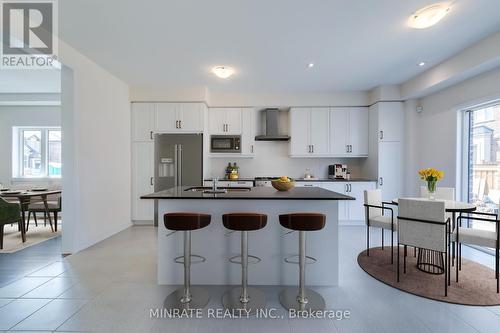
434	142
96	152
22	116
271	159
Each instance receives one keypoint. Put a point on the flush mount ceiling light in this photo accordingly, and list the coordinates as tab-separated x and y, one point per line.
422	64
429	16
310	65
223	71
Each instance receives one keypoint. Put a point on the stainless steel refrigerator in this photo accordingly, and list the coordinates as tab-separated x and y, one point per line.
178	162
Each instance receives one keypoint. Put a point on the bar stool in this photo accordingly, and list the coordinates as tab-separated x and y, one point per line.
250	299
187	297
302	298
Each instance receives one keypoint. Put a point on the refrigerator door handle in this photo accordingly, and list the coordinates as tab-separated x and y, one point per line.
176	167
179	168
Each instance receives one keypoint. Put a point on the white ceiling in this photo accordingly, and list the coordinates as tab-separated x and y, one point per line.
355	44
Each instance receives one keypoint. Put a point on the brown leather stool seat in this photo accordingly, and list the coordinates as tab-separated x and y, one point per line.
303	221
186	221
244	221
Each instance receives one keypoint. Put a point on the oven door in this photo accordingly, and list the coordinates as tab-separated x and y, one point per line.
225	144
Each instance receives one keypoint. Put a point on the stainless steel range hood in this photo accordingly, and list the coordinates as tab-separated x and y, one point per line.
272	132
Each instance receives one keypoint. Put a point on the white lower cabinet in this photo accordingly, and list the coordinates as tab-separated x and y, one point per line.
351	210
142	180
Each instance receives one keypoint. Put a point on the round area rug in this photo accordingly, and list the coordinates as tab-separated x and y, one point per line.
476	283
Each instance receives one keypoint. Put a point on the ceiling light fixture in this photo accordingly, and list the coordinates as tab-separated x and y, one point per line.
422	64
310	65
429	16
223	71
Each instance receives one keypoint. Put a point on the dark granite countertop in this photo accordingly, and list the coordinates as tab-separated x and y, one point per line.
301	180
255	193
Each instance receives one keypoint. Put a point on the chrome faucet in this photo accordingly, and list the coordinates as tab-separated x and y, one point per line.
215	183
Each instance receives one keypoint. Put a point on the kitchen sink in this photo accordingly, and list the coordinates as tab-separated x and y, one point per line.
208	189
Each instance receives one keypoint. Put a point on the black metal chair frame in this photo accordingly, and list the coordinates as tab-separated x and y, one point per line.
447	258
459	245
383	208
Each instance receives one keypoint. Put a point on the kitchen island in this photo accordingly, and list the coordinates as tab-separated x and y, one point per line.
272	244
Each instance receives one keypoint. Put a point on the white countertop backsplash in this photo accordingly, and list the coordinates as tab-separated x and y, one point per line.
271	159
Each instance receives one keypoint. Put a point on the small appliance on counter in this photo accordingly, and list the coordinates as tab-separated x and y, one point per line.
337	171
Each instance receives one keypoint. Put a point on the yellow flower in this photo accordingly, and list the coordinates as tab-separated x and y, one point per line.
431	174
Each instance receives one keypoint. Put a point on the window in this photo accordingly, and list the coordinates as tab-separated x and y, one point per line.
36	152
482	159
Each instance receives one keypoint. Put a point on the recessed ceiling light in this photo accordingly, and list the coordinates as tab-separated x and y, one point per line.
422	64
223	71
428	16
310	65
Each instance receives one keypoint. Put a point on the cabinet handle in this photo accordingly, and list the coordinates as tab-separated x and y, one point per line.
346	188
151	181
381	135
307	185
151	135
346	148
350	188
176	124
312	148
251	148
180	123
381	181
350	148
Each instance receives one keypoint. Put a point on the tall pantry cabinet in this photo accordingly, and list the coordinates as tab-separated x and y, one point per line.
385	162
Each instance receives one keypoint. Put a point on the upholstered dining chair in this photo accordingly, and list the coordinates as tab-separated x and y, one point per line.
442	193
486	238
422	224
375	216
54	202
10	212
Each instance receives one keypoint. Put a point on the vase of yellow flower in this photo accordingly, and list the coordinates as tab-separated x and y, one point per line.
431	176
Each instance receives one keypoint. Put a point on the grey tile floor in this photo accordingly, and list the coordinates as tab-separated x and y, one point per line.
111	287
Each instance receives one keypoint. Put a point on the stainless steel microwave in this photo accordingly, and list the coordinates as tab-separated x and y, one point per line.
225	144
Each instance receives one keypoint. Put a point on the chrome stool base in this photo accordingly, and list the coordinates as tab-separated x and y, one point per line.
256	301
288	299
199	299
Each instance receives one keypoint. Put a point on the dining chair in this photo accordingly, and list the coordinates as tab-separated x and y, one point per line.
442	193
375	216
54	202
9	213
478	237
422	224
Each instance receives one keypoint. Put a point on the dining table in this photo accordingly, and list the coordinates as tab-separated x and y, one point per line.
25	197
430	261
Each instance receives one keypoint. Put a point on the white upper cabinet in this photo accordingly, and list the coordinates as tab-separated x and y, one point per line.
339	131
224	121
349	131
143	121
299	132
358	131
166	119
248	117
319	131
179	117
309	131
191	117
390	121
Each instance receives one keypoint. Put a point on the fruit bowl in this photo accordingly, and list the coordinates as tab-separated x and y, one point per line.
283	186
